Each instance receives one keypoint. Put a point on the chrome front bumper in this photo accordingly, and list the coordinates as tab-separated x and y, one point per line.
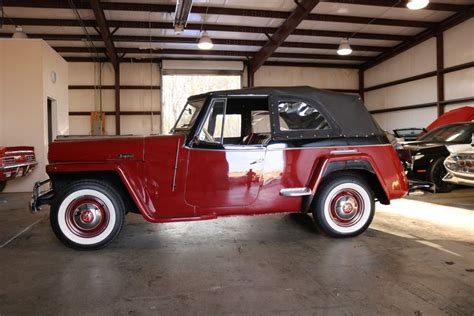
42	194
456	179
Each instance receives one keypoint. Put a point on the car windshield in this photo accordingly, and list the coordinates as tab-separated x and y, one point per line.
188	115
459	133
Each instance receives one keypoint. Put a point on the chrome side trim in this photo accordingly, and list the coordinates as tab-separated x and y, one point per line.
295	191
18	165
173	185
344	152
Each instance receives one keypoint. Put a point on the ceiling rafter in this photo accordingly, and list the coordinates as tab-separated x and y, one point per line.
105	32
303	8
402	4
207	27
167	51
193	40
153	7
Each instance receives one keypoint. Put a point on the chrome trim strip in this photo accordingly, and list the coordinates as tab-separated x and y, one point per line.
344	151
173	185
295	191
19	165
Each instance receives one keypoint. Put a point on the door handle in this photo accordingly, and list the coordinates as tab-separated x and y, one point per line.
256	161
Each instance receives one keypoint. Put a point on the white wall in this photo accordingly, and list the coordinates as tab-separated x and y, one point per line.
26	67
130	100
146	100
458	49
324	78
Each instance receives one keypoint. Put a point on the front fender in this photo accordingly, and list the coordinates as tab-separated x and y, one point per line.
130	173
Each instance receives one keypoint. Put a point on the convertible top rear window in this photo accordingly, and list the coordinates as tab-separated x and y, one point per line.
300	116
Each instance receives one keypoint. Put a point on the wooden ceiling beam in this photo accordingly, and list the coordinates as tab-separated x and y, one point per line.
168	8
207	27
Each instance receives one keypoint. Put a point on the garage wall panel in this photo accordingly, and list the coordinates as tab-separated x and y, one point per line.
458	49
415	61
459	84
131	74
417	92
407	118
324	78
459	44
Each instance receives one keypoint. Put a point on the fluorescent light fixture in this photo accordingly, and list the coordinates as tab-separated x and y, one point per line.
417	4
19	33
344	47
181	14
205	42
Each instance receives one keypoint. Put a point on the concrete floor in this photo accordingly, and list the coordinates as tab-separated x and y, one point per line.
407	263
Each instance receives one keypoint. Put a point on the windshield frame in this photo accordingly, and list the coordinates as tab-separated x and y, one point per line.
461	126
194	103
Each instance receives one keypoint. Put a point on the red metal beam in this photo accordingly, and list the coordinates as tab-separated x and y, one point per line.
303	9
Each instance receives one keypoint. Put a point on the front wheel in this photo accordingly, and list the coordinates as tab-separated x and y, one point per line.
344	206
87	215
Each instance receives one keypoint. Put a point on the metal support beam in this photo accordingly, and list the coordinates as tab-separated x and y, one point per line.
361	84
112	54
439	73
401	4
117	100
303	9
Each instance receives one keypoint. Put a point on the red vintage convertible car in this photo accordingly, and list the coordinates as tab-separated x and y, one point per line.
239	152
15	162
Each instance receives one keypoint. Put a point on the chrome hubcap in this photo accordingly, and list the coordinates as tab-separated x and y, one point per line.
346	208
87	216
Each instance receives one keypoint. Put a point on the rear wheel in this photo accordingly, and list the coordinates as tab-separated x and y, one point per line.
438	172
2	185
344	206
87	215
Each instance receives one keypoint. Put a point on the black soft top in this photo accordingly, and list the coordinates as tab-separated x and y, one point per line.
346	110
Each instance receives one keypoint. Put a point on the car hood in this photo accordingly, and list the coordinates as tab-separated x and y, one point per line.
100	149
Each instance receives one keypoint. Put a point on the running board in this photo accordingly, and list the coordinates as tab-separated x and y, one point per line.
295	192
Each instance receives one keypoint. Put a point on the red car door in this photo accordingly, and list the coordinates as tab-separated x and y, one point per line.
222	176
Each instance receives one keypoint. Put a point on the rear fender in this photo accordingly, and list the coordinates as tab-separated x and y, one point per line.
329	164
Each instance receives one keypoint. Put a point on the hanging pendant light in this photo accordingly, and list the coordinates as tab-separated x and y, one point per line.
205	42
344	47
417	4
19	33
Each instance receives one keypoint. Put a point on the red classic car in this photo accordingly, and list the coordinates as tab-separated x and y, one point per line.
239	152
15	162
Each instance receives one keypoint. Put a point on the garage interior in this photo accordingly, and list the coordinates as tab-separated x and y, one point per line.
125	67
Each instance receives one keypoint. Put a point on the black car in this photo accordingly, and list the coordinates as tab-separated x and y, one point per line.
429	152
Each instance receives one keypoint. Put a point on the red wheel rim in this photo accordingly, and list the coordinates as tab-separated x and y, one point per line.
346	208
87	216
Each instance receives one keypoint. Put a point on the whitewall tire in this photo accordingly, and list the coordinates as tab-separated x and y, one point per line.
87	215
344	206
